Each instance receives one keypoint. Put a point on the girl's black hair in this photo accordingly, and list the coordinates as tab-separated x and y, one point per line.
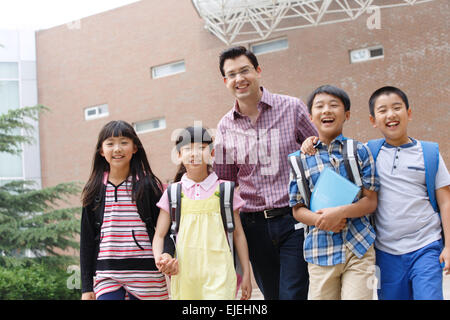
139	165
331	90
191	135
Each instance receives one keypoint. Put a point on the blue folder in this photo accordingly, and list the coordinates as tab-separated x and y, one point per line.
332	190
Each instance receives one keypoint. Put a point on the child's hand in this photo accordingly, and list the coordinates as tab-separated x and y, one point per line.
445	257
246	288
308	145
330	219
171	267
340	226
166	264
88	296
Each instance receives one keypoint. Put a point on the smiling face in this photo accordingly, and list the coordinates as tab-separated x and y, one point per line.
118	151
241	78
195	156
328	114
391	117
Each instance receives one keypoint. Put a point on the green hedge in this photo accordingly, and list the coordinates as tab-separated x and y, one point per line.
38	282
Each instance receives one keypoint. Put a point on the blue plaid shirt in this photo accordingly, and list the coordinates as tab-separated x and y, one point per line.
322	247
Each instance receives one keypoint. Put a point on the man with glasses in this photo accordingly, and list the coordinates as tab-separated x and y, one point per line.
252	144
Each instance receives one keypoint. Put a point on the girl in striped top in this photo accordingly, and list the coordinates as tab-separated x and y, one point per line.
118	220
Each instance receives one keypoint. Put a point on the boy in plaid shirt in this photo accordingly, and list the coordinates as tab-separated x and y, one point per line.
340	262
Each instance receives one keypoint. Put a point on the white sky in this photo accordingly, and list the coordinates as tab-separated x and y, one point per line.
42	14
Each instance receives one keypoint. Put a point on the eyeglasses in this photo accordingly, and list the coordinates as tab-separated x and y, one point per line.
233	75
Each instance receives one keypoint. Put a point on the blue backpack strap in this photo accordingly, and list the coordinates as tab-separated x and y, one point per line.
431	159
375	146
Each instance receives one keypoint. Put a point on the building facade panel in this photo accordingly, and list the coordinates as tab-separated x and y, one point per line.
18	88
109	60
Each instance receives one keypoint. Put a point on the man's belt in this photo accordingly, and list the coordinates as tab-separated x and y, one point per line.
272	213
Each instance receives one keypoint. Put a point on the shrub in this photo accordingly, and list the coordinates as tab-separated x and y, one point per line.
36	281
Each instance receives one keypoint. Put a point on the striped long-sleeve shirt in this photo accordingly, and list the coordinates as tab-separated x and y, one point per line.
125	257
255	155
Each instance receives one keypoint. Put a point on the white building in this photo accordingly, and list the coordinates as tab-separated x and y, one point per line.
18	88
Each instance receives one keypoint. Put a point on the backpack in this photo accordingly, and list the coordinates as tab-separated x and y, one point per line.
431	160
226	191
349	153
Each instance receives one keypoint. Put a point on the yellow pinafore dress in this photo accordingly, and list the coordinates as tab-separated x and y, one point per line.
206	268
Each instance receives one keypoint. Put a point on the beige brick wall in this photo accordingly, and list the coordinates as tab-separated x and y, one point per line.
108	60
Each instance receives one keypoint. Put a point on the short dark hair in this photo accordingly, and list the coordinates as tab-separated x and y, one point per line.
332	90
386	90
233	53
192	135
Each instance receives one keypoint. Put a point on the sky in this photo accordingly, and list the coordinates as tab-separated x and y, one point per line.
43	14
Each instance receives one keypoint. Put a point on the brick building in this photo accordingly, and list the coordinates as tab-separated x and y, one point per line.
113	66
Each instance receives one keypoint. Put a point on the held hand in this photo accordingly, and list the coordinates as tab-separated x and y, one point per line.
88	296
445	258
331	219
246	288
159	262
308	145
172	267
166	264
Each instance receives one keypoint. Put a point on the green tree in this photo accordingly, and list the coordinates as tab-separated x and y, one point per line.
37	220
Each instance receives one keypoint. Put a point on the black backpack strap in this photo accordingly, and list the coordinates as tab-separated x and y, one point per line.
98	209
350	155
147	211
299	175
352	167
298	171
174	193
226	190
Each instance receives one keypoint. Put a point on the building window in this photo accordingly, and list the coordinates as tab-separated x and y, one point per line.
168	69
269	46
366	54
150	125
9	70
11	165
96	112
9	86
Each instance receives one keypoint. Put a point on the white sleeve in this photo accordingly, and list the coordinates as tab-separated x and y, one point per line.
442	175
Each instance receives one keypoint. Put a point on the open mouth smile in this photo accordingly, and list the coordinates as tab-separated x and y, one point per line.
392	124
327	120
241	87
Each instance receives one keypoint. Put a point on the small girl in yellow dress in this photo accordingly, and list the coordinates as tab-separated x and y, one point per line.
203	268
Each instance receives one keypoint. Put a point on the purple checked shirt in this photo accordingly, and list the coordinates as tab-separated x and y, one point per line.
255	156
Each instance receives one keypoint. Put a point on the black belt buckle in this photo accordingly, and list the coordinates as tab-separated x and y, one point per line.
276	212
266	214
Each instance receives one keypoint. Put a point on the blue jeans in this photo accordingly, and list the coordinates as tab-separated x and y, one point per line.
276	255
416	275
117	295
